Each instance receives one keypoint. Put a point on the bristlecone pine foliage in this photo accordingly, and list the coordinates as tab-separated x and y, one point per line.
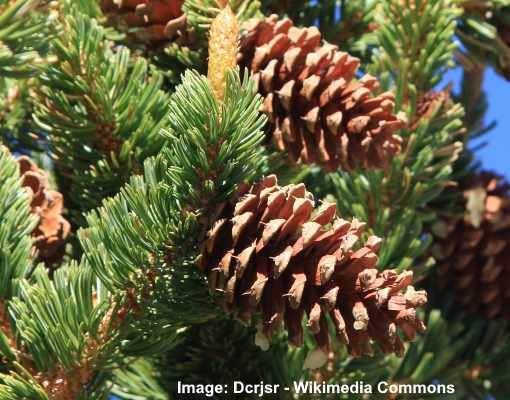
53	228
271	257
473	253
319	112
150	21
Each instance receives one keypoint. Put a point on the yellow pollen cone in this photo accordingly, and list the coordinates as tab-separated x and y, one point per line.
223	42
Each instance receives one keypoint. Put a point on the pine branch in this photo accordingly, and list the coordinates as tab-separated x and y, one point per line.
21	385
175	59
416	39
101	110
24	35
212	150
138	291
47	331
65	328
16	106
17	224
138	381
146	240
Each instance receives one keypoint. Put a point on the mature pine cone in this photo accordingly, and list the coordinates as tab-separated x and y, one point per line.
473	252
53	228
318	112
150	21
270	256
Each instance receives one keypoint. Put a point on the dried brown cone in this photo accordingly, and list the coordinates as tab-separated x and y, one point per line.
53	228
319	112
273	256
150	21
473	252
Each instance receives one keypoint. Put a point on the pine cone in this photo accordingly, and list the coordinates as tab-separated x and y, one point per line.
318	112
53	228
473	252
150	21
269	255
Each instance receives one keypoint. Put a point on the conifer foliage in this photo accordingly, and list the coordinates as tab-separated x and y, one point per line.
203	191
97	137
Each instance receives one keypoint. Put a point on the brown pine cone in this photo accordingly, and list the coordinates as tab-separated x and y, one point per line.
150	21
53	228
318	112
473	252
269	255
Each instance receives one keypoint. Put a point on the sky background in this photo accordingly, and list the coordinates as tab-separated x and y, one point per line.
495	155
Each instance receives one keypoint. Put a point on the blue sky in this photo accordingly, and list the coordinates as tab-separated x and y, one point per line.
495	156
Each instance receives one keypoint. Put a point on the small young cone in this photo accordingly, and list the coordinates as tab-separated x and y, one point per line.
223	42
318	111
53	228
473	252
428	105
272	255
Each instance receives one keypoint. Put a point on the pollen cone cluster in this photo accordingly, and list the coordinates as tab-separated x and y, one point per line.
150	21
223	38
53	228
319	112
274	257
473	253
